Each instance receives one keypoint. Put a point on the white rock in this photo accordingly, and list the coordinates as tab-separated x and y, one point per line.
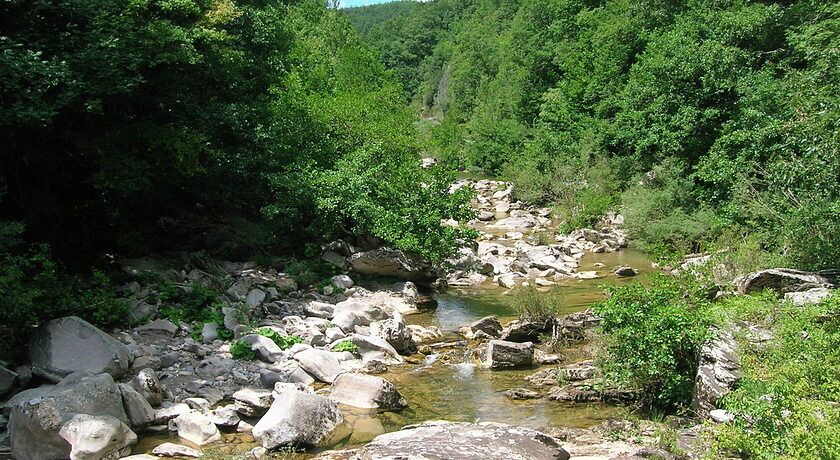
196	428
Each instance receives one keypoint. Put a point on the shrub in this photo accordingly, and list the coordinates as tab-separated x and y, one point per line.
535	306
347	346
282	341
786	400
240	349
651	339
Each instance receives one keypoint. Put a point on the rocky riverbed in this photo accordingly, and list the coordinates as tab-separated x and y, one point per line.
359	365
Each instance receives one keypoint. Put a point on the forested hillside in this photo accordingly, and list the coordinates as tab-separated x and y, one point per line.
708	123
241	128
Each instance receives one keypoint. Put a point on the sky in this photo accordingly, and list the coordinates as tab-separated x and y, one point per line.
348	3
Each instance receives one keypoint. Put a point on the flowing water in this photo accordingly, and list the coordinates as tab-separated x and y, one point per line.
452	386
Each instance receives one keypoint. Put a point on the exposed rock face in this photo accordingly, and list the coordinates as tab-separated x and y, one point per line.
718	369
782	280
71	344
367	392
391	262
464	441
509	355
297	418
37	415
94	437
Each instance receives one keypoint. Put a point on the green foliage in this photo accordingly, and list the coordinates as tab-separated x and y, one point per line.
535	306
786	402
651	339
240	349
282	341
347	346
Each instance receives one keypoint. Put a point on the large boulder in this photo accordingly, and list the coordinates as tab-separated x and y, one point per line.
367	392
782	280
38	415
395	332
811	296
465	441
509	355
321	364
297	418
375	349
195	427
524	331
137	408
265	348
489	325
70	344
718	368
95	437
8	380
392	262
252	402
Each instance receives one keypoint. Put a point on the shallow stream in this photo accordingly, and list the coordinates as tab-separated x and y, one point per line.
451	386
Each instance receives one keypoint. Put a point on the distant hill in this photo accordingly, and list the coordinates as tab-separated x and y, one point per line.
366	17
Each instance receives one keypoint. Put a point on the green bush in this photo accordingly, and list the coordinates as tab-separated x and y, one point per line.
347	346
282	341
651	339
240	349
786	402
532	305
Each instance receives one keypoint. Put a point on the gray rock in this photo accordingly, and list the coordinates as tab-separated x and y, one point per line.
342	281
465	441
718	369
375	348
95	437
395	332
319	363
391	262
252	402
255	297
781	280
209	332
625	271
159	328
147	383
142	362
811	296
138	410
195	427
297	418
170	412
490	325
367	392
319	310
215	366
225	416
38	414
509	355
8	380
169	449
199	404
70	344
265	348
288	371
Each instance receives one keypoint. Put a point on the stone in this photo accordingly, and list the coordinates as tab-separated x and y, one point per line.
365	430
199	404
721	416
159	328
521	393
440	440
147	383
8	380
209	332
169	412
506	280
138	410
169	449
391	262
524	331
297	418
811	296
395	332
225	416
289	371
509	355
367	392
142	362
718	369
252	402
215	366
70	344
265	348
375	348
255	297
319	363
195	427
781	280
334	333
95	437
406	289
37	415
625	271
342	281
490	325
421	334
319	310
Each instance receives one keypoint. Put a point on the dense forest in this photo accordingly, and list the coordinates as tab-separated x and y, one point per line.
709	124
237	127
